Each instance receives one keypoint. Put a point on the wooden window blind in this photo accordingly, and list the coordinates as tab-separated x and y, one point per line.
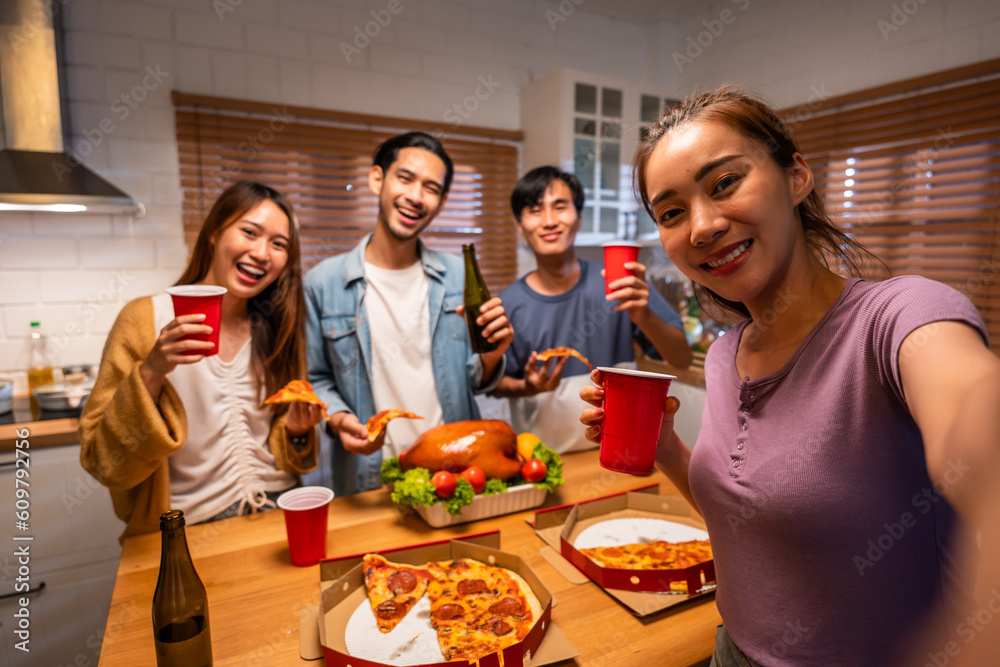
320	160
912	170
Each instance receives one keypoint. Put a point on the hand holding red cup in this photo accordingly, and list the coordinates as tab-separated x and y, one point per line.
200	300
616	255
634	406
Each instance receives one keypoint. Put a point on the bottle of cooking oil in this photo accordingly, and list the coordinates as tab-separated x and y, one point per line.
39	364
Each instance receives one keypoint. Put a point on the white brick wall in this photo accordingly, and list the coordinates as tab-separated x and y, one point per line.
783	47
73	273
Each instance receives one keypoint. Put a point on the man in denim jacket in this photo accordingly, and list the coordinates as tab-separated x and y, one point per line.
385	327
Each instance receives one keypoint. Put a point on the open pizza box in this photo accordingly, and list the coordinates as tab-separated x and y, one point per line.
644	592
344	598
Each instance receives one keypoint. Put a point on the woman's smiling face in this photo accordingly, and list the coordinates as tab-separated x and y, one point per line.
250	253
724	209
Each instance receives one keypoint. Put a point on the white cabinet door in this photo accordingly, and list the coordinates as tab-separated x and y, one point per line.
72	521
68	617
74	549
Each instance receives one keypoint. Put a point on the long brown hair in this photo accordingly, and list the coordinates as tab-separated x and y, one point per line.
755	119
277	349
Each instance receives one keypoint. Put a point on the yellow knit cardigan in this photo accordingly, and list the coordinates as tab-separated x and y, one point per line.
126	438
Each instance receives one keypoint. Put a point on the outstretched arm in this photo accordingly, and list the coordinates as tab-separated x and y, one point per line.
952	386
672	456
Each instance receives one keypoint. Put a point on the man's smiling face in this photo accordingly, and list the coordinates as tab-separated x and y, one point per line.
410	193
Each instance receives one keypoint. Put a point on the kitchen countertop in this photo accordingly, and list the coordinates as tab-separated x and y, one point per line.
49	429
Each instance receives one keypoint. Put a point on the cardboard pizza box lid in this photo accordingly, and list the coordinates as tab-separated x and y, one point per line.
643	594
344	590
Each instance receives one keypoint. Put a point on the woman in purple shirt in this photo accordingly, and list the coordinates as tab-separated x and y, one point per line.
847	426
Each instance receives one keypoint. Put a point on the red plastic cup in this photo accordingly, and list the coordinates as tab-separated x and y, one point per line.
634	403
200	300
616	254
305	512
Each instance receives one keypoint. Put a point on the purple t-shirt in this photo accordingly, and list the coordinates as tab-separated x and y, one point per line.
831	541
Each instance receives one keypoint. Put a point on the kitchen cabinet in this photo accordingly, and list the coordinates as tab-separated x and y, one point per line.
590	125
74	551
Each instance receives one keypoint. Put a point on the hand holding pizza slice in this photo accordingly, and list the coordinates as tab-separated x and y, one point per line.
378	423
297	391
564	352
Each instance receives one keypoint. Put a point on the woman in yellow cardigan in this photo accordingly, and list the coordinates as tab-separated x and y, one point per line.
163	429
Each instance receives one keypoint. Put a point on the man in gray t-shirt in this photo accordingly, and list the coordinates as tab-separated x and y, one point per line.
562	303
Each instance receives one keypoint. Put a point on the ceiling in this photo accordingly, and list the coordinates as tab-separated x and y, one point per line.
645	11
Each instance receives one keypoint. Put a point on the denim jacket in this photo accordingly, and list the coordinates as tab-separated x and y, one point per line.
339	350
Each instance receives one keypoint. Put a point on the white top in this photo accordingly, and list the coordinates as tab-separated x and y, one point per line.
226	458
545	414
402	371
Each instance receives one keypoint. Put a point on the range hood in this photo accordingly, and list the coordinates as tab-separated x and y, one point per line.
36	174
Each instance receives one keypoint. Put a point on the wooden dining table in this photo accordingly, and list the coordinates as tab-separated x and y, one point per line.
256	596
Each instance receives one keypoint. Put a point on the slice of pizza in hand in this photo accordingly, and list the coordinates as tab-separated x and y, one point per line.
393	589
564	352
297	391
377	423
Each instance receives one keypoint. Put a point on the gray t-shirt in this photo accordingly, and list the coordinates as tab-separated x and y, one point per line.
580	318
831	542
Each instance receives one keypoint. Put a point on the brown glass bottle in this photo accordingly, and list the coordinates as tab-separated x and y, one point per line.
180	606
476	294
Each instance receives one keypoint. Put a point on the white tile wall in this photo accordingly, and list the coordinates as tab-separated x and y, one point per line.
784	47
78	271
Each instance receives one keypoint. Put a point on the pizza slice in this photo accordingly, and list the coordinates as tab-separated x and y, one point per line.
393	589
655	555
478	609
564	352
377	423
296	391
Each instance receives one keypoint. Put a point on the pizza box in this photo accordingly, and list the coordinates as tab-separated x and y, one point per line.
644	592
343	593
515	499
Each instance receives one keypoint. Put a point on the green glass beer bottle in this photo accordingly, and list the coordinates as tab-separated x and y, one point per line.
180	605
476	294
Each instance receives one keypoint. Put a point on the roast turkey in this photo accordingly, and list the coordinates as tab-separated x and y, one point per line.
490	444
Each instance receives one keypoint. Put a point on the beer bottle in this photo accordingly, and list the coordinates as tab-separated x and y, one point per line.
180	606
476	294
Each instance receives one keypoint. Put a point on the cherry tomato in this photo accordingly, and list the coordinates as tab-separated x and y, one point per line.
444	483
476	477
534	470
